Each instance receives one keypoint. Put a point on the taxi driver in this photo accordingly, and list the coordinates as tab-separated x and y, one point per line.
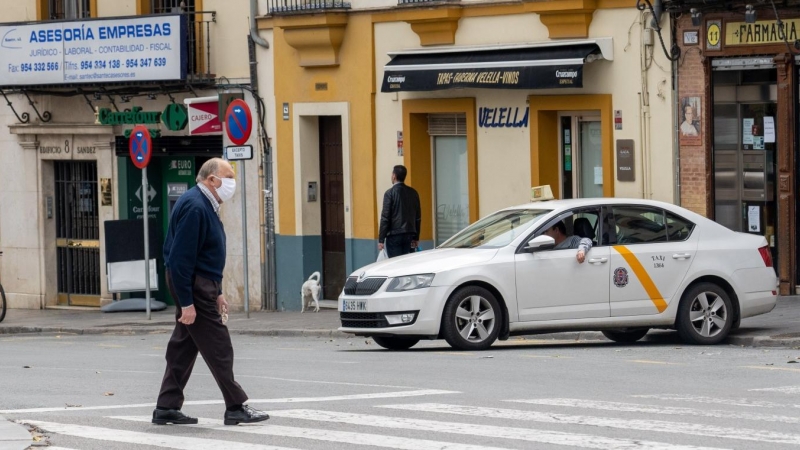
559	233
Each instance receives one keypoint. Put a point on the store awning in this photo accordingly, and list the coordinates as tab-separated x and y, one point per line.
542	65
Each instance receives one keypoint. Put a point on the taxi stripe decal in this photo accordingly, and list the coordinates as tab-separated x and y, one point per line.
643	276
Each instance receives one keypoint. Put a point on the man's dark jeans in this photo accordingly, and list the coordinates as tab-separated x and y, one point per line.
398	244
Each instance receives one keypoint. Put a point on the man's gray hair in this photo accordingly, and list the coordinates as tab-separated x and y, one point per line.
210	167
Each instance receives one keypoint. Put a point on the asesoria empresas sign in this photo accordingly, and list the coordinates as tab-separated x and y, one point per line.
94	51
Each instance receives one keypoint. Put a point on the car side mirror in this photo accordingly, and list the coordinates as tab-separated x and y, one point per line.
539	243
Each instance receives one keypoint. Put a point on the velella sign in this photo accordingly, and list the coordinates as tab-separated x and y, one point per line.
94	51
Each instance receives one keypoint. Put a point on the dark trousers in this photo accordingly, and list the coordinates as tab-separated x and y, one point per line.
208	336
398	244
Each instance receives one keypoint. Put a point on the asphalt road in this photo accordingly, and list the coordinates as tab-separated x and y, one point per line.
97	392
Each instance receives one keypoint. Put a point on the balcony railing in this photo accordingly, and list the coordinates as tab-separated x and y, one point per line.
199	43
301	6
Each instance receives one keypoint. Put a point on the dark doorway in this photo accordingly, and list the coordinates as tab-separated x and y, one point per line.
332	203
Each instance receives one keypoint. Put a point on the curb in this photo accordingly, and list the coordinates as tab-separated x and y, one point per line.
583	336
14	436
298	332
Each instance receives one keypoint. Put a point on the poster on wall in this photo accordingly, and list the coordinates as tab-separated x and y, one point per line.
690	121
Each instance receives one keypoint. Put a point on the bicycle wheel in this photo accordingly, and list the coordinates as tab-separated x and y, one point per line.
2	303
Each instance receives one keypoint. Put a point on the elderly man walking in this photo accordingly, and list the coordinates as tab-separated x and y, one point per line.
194	254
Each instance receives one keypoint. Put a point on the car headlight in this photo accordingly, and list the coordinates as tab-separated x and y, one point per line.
410	282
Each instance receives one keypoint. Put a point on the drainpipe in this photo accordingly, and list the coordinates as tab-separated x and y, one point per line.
253	27
676	148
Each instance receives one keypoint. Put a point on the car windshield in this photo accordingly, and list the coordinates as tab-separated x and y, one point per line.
496	230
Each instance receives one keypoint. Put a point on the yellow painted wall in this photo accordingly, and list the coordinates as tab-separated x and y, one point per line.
504	154
112	8
351	82
229	37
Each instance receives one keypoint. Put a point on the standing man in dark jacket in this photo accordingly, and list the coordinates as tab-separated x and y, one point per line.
194	255
401	216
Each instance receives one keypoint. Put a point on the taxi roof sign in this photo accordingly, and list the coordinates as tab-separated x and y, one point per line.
541	193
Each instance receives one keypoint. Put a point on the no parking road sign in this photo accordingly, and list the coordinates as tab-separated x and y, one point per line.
238	122
141	146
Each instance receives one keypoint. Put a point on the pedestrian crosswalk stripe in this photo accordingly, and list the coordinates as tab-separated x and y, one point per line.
346	437
783	389
605	422
378	395
715	400
666	410
155	440
471	429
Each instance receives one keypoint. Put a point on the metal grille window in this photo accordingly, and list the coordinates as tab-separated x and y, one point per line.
68	9
171	6
77	230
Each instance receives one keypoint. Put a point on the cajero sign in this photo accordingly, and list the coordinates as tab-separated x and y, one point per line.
761	32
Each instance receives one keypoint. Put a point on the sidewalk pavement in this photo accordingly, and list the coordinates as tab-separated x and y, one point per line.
14	436
779	328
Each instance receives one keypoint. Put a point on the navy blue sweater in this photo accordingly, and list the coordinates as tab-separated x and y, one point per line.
195	244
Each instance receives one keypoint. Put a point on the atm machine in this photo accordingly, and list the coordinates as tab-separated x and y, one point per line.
174	192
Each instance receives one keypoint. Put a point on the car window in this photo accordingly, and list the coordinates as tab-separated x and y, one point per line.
639	225
678	228
496	230
583	223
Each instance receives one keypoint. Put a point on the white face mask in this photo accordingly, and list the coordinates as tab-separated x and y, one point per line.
228	188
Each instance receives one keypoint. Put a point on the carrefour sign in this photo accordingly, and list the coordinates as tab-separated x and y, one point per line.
94	51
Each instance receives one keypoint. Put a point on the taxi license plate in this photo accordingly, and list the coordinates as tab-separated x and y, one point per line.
354	305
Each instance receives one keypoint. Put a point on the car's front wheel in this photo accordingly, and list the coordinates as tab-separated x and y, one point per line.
395	343
471	319
626	336
705	315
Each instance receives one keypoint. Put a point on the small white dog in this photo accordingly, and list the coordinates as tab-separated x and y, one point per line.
310	292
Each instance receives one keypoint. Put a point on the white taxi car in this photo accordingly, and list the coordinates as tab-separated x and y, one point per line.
652	265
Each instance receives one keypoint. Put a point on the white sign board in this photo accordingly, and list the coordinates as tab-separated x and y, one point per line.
754	219
203	115
94	51
769	130
239	153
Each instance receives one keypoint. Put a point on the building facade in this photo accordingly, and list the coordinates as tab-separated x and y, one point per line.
481	100
78	75
737	80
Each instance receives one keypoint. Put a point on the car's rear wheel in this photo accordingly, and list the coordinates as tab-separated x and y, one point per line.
395	343
705	315
471	319
627	336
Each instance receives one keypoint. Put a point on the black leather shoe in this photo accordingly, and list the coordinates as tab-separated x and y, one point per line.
245	414
174	416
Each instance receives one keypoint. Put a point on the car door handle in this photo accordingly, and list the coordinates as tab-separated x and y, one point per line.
681	256
598	260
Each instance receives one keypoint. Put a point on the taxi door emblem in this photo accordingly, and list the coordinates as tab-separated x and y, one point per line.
620	277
